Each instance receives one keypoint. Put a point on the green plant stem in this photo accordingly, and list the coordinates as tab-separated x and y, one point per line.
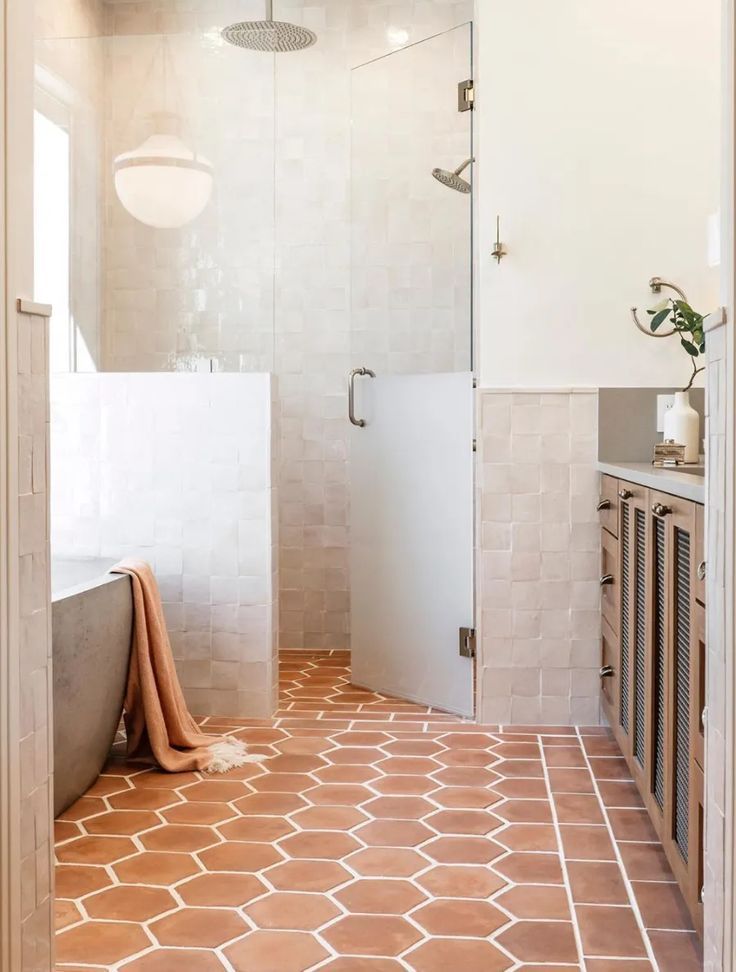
696	372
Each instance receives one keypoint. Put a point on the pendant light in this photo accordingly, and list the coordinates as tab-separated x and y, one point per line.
164	183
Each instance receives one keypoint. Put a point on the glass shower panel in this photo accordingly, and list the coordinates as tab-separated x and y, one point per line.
411	235
195	298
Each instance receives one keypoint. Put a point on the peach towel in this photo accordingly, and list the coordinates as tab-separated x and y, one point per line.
157	720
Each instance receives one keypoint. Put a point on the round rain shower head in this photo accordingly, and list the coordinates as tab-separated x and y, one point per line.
269	36
453	180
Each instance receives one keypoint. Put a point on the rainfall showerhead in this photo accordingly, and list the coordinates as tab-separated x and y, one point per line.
269	35
453	180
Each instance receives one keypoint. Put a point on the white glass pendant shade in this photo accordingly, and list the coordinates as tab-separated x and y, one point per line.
163	183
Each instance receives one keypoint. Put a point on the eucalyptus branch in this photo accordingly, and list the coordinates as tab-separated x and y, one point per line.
687	324
696	372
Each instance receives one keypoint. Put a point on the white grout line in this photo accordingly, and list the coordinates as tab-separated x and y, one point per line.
561	851
619	859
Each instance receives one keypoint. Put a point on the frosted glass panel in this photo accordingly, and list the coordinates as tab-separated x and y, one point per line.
412	537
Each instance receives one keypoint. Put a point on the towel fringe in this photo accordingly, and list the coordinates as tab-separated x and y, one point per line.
230	754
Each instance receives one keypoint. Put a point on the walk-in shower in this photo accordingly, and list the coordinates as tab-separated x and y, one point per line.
269	35
454	180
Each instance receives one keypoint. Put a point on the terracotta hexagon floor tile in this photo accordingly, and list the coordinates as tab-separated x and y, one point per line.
256	829
156	869
525	811
463	850
520	769
292	911
394	862
398	808
404	785
522	789
347	774
465	776
530	868
307	876
355	756
157	779
528	837
95	850
167	960
145	799
458	881
125	903
379	935
361	738
465	757
198	813
83	808
467	740
380	897
584	842
319	845
347	964
275	951
295	763
407	765
578	808
215	791
283	783
106	785
536	901
270	804
337	795
304	745
478	822
198	927
393	833
108	942
240	856
122	822
540	941
74	881
466	797
443	954
329	818
65	830
221	890
179	837
65	913
460	917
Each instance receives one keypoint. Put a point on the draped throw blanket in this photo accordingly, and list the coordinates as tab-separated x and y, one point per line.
157	719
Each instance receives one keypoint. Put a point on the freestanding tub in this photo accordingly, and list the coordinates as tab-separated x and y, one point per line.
92	630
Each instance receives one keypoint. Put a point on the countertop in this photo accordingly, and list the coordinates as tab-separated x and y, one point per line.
687	485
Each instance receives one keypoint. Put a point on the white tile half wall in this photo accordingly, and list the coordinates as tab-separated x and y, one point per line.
179	469
539	557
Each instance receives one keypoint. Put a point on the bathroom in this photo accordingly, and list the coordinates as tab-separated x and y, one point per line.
338	338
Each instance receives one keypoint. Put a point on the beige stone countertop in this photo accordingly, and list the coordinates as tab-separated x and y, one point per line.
677	482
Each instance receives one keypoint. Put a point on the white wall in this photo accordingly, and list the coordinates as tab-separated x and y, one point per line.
599	148
178	470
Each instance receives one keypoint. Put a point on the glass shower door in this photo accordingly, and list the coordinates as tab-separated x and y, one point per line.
411	401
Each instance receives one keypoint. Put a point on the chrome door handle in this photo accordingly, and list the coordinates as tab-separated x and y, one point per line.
355	373
607	671
607	579
701	570
604	504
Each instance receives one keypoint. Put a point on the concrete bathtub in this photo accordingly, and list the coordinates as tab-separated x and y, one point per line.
92	630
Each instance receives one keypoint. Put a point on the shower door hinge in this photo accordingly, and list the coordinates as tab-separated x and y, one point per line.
466	95
467	642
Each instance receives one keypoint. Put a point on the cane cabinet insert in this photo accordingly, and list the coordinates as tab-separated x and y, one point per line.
653	661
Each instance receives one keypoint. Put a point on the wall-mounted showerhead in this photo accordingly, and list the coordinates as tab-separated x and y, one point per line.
269	36
453	180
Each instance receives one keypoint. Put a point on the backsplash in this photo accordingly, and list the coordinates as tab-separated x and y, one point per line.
539	558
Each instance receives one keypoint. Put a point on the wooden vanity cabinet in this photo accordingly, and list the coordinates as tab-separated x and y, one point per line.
653	657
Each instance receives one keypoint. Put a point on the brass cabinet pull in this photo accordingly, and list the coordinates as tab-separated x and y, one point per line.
659	509
607	671
625	494
701	570
604	504
607	579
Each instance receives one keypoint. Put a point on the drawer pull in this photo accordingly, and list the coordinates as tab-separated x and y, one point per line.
604	504
607	579
659	509
625	494
607	671
701	570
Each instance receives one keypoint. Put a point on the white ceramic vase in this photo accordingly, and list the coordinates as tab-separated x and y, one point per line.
682	424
